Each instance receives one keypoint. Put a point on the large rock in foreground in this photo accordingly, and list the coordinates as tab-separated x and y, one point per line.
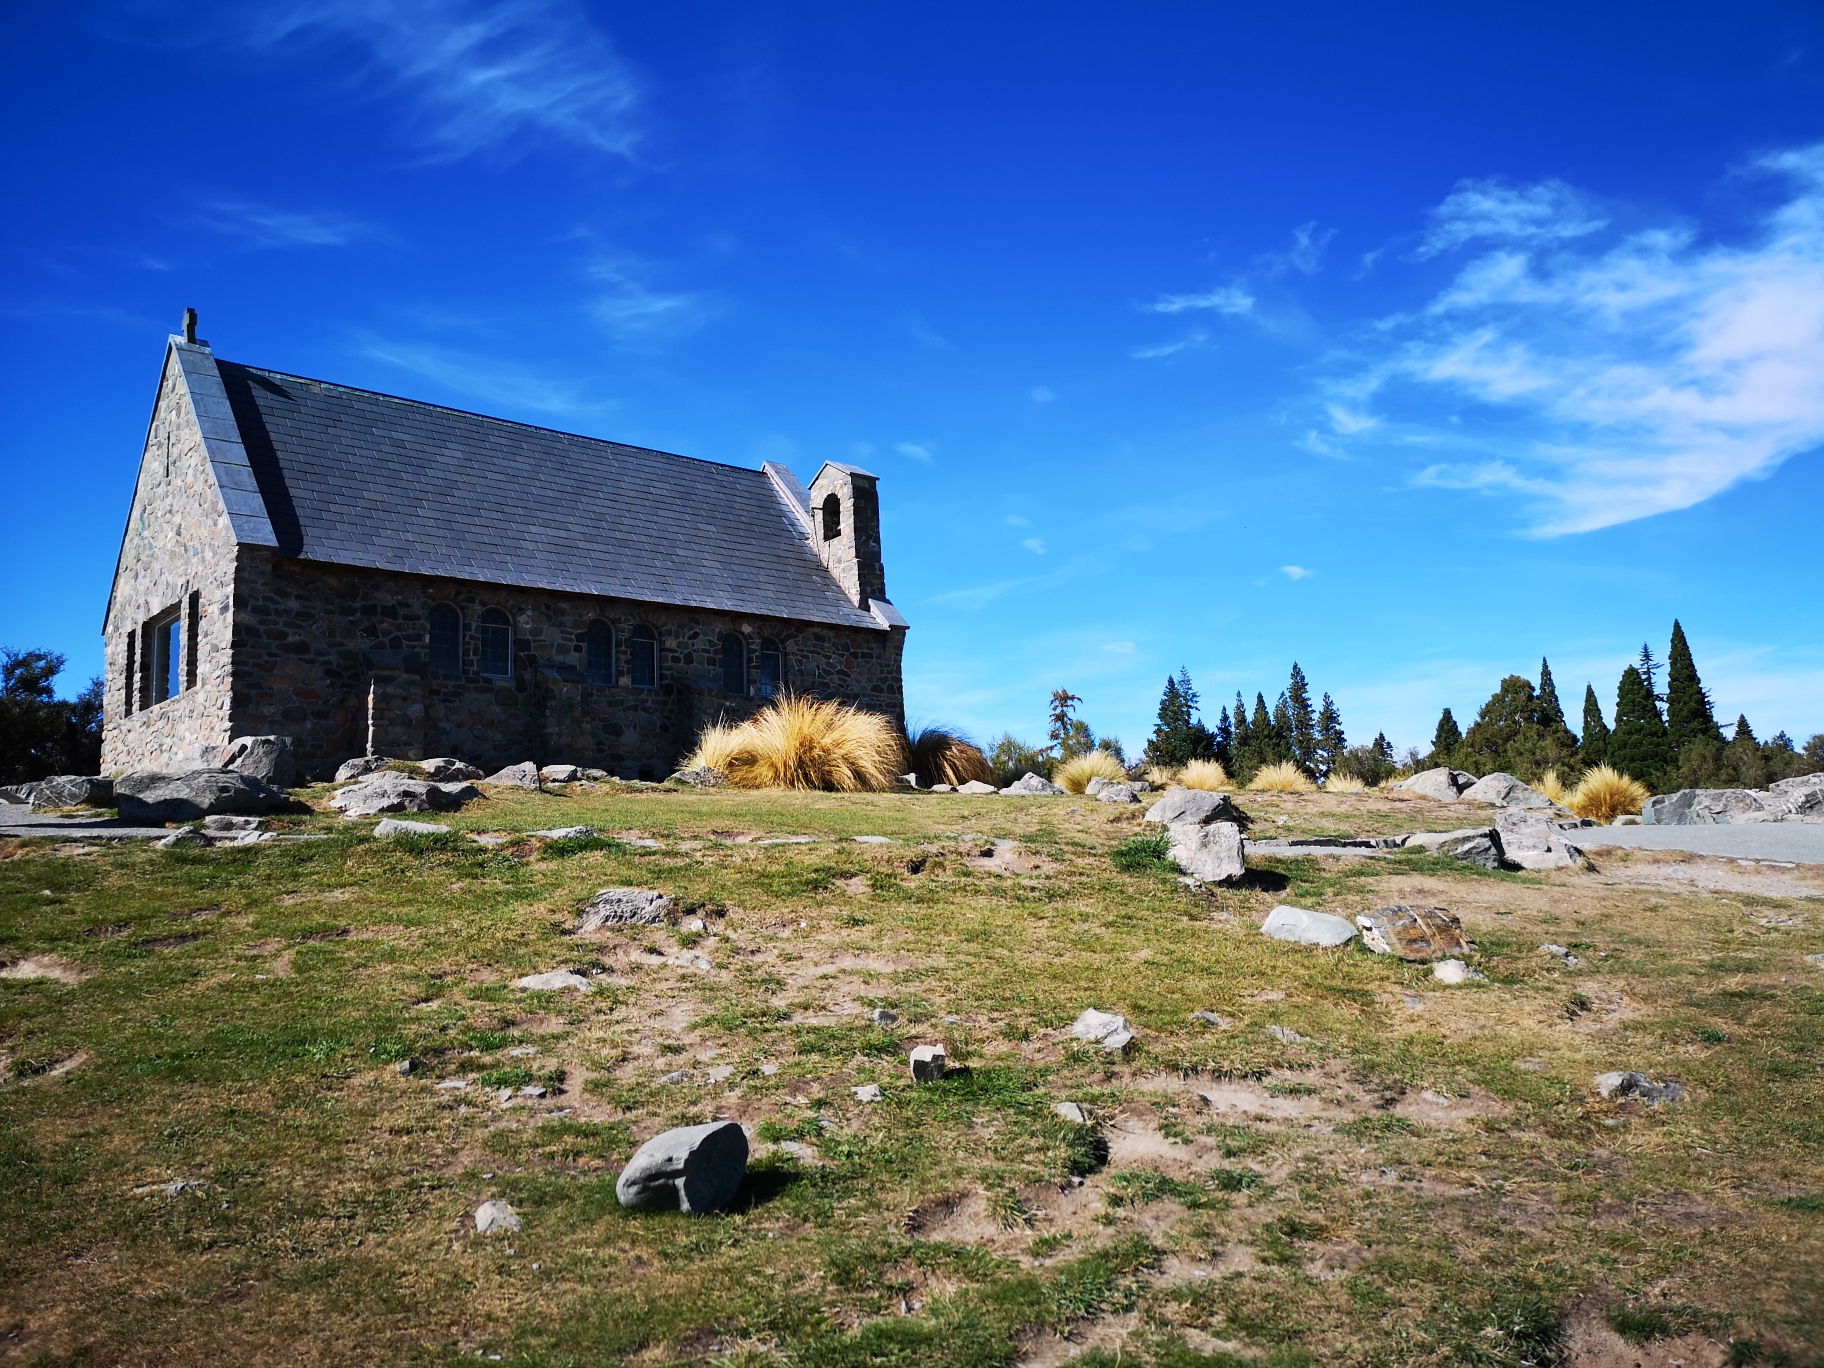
1710	807
1504	791
390	791
146	796
1443	784
1195	807
72	790
1212	853
264	757
1414	933
1304	927
1534	841
693	1168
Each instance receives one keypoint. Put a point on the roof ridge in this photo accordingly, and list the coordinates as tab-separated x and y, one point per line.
485	417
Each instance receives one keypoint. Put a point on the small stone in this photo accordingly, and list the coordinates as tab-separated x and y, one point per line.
1286	1035
1305	927
186	836
554	981
1814	959
452	1084
575	833
867	1092
1629	1084
407	1067
976	786
1221	1023
696	924
769	1069
561	774
531	1090
693	1168
1530	1065
1564	956
880	1016
624	907
506	1096
1453	971
222	825
721	1073
929	1063
523	775
1072	1112
872	840
701	778
521	1052
496	1217
1103	1028
677	1076
941	788
1030	785
1117	793
394	826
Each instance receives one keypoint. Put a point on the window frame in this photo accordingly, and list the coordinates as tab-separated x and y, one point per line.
599	665
642	640
452	657
161	656
774	687
735	643
489	622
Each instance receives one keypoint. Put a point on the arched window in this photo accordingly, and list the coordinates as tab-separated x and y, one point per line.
832	517
446	640
598	663
734	664
643	657
772	668
495	637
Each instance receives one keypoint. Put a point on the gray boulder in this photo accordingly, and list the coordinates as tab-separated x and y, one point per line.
220	825
72	790
264	757
704	777
1710	807
1800	797
1479	848
1304	927
1116	793
18	795
561	774
522	775
1623	1084
693	1168
390	791
1532	840
361	765
624	907
394	826
1443	784
1195	807
1031	785
1211	853
445	769
976	786
1504	791
145	796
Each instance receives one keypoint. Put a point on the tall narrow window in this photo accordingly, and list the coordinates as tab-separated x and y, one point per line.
191	637
832	517
598	653
131	675
165	654
772	668
734	664
446	641
495	637
643	657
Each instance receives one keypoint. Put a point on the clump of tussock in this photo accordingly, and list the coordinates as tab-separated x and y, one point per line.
1284	777
1605	794
1553	787
1162	776
1208	775
1074	774
1339	782
939	755
805	743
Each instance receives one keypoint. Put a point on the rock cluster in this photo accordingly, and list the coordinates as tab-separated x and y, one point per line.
1454	785
1205	830
1789	800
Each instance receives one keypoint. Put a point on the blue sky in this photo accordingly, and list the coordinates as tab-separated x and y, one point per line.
1408	342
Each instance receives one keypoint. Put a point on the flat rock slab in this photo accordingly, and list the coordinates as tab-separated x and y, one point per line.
1414	933
393	826
148	796
18	823
976	786
1304	927
554	981
698	1169
574	833
1327	846
624	907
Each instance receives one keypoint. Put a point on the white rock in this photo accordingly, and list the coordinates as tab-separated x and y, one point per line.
1196	806
1563	955
554	981
1070	1111
1305	927
1503	790
976	786
184	836
1029	785
1453	971
561	774
1116	793
492	1218
1212	853
1533	840
721	1073
1103	1028
1286	1034
872	840
928	1063
867	1092
394	826
575	833
1443	784
624	907
531	1090
1096	784
453	1084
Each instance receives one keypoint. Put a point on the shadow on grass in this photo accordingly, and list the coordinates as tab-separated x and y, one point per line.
763	1186
1263	881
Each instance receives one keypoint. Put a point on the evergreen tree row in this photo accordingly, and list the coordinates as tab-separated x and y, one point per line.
1293	731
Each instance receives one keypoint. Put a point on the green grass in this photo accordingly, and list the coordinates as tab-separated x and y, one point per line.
242	1013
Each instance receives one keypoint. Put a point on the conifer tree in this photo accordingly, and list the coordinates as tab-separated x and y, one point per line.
1243	743
1594	749
1551	712
1647	668
1301	724
1331	743
1689	717
1444	741
1169	732
1282	731
1382	747
1638	746
1262	751
1746	765
1225	741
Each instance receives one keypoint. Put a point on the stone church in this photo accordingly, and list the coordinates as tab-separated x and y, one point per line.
374	575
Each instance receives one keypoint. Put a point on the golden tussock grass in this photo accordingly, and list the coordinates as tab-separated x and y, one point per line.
1074	774
806	743
1604	794
1161	776
941	756
1284	777
1344	783
1207	775
1553	787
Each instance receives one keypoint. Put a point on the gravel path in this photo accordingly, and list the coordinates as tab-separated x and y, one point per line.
1799	842
17	821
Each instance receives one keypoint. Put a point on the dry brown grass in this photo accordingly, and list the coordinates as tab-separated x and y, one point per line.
1344	783
806	743
1605	794
1207	775
1074	774
1553	787
941	756
1161	776
1284	777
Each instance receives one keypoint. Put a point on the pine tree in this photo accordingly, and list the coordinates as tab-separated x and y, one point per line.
1225	741
1331	743
1444	741
1262	751
1551	713
1282	731
1638	746
1244	738
1301	728
1170	730
1647	668
1747	767
1382	747
1689	717
1595	747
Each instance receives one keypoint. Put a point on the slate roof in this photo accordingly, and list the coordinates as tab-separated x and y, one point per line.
358	478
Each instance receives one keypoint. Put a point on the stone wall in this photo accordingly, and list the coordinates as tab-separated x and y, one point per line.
331	655
178	540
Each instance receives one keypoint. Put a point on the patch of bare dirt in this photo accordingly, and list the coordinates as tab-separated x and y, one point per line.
1686	873
1005	857
46	967
1590	1343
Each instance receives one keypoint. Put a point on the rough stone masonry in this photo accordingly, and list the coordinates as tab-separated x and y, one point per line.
372	575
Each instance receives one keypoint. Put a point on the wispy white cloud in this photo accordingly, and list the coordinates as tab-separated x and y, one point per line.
1225	299
1185	343
1119	647
635	314
1041	394
1607	382
922	333
260	225
1306	255
1296	572
1015	520
1034	545
914	451
485	73
485	381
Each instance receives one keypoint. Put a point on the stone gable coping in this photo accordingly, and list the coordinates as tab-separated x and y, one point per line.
228	462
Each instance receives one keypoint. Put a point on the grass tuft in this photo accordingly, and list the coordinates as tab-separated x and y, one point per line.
1603	795
1344	783
805	743
1145	854
1206	775
1284	777
1074	774
1553	787
940	755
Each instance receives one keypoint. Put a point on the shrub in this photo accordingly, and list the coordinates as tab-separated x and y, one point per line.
806	743
1603	795
1145	854
1207	775
1344	783
942	756
1074	774
1284	777
1553	787
1012	758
